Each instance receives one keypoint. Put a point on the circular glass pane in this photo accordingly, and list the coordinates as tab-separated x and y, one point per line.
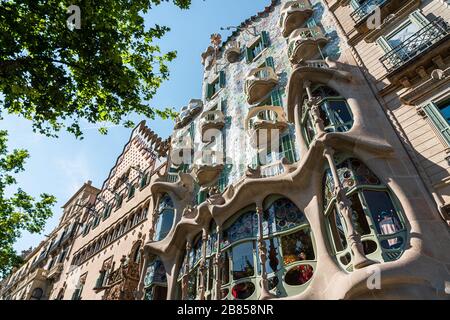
299	275
243	290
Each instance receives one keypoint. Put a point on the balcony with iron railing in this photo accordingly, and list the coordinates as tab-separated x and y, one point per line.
213	119
366	8
293	15
305	43
420	49
259	83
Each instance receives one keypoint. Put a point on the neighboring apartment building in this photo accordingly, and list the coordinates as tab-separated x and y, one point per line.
45	267
316	158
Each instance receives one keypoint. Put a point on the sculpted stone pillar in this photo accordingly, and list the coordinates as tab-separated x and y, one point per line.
140	287
202	267
345	207
185	279
218	266
262	250
155	215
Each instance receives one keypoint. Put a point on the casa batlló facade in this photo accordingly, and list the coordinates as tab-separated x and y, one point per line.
316	165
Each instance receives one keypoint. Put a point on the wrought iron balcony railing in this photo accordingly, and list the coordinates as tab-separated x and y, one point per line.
416	45
365	9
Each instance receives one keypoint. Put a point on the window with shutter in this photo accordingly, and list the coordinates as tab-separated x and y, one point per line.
288	148
439	115
270	62
265	39
222	80
276	97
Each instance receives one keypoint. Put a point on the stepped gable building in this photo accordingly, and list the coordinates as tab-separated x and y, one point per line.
316	160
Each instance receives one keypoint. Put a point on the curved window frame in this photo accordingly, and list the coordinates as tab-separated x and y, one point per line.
357	191
307	122
164	208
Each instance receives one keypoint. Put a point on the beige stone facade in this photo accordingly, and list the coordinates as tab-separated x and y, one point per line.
315	166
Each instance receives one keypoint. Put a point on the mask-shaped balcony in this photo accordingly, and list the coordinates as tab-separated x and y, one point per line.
213	119
233	52
262	122
259	83
208	171
305	43
293	15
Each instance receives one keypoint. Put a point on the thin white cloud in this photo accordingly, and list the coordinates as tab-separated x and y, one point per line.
75	171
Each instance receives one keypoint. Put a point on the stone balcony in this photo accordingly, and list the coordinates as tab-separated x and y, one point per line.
305	43
209	169
259	83
232	52
293	15
262	122
213	119
55	271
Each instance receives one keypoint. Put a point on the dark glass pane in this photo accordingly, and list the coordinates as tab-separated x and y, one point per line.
224	293
346	259
165	222
358	217
337	230
243	291
339	114
297	247
225	268
369	246
242	259
192	285
383	212
299	275
273	282
273	257
445	111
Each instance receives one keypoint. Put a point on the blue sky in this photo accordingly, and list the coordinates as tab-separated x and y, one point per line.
61	166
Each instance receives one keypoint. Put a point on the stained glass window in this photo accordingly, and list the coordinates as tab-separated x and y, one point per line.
282	215
246	226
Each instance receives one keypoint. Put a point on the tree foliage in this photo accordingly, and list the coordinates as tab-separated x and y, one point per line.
19	211
103	72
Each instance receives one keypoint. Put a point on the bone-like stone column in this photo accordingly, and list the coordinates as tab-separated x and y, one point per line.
262	250
354	238
218	265
155	215
140	287
185	279
314	109
202	267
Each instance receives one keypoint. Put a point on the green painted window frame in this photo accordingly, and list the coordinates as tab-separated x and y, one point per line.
262	43
440	123
287	146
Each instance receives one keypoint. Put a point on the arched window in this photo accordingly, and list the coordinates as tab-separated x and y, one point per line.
166	217
376	215
290	252
334	111
37	294
155	282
